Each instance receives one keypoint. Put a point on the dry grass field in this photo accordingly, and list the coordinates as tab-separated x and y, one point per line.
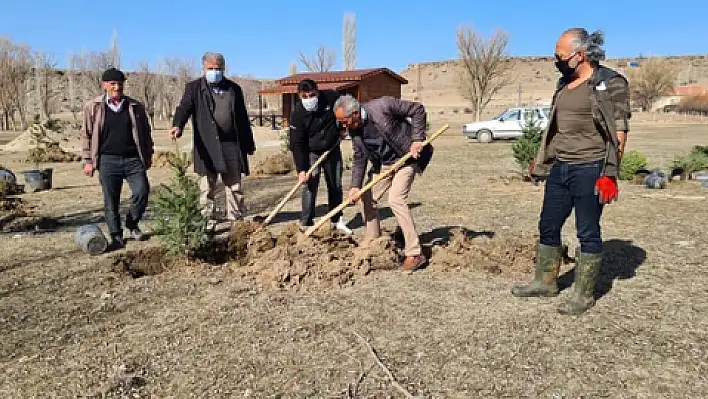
78	326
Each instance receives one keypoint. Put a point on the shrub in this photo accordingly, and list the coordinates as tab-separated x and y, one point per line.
694	161
632	161
179	218
526	147
284	137
694	105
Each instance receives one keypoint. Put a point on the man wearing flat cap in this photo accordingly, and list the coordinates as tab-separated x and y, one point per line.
117	143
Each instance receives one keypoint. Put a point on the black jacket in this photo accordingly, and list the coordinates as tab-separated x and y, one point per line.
313	132
198	103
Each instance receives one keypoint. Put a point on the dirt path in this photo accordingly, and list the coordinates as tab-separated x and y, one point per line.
74	327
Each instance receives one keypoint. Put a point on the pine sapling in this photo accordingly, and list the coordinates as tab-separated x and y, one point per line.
180	221
526	146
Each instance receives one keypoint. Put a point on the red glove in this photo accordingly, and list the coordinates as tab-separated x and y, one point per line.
606	189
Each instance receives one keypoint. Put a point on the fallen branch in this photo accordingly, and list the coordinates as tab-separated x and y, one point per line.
372	351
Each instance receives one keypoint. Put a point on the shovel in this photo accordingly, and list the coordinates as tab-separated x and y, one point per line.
294	189
372	183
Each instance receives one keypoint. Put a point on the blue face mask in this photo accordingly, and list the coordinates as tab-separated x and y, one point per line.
214	75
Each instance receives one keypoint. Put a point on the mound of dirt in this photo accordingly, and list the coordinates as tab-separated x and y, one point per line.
69	140
20	221
276	164
52	153
291	260
163	158
510	255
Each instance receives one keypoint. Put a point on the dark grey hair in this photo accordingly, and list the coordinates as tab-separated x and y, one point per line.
348	104
215	57
589	43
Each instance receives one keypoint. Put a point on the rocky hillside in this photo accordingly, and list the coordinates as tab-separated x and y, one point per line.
435	83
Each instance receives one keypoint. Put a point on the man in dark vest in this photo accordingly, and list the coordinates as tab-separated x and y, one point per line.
313	131
117	142
579	158
222	135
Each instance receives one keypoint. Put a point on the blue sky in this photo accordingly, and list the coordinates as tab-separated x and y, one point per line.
263	37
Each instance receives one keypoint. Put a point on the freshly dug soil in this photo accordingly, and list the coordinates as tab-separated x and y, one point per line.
162	159
510	255
52	153
290	259
276	164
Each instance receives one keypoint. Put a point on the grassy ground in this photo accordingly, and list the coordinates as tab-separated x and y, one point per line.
74	327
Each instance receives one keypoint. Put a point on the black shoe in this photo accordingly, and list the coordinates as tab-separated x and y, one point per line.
116	243
136	234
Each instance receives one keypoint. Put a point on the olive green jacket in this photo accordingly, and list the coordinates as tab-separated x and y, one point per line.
611	113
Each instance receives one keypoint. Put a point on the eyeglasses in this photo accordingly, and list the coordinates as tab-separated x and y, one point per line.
560	58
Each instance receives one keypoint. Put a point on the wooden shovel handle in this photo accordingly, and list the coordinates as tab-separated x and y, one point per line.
372	183
294	189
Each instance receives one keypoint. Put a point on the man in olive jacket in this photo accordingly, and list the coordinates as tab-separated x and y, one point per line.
579	158
223	138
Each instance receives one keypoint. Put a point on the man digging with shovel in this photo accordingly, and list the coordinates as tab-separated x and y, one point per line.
314	132
383	131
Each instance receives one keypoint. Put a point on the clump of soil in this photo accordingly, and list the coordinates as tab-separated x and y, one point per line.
510	255
151	261
292	260
142	262
11	208
164	159
51	153
276	164
19	221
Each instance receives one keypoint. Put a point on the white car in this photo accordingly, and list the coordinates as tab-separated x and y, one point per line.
507	125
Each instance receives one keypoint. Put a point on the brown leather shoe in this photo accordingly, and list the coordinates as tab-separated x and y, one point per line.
413	262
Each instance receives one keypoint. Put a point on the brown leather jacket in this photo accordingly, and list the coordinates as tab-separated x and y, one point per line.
93	126
611	113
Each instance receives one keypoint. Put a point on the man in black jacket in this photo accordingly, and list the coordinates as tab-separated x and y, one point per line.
313	131
222	135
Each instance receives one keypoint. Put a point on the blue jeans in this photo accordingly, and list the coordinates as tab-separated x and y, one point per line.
113	169
572	186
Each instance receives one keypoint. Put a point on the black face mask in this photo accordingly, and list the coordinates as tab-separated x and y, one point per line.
565	69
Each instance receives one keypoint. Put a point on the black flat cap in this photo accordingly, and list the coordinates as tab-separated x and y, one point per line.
113	75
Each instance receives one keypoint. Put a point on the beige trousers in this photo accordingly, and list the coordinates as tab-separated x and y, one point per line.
398	185
235	205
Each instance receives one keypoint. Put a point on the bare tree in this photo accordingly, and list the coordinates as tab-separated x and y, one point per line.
47	94
144	86
114	51
15	73
176	74
653	79
349	42
323	61
71	80
483	67
293	69
90	67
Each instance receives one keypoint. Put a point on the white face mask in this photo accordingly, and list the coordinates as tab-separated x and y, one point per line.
310	104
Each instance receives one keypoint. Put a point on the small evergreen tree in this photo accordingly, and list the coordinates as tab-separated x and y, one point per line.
526	146
179	218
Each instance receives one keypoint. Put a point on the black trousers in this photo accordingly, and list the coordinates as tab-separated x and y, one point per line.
113	169
332	168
